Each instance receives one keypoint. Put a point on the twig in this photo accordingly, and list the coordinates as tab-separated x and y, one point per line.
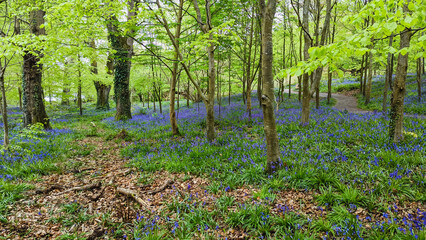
82	170
49	189
134	195
86	187
164	186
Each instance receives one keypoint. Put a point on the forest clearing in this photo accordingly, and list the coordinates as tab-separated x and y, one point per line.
202	119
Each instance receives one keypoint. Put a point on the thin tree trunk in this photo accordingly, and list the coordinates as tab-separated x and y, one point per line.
229	79
248	69
370	76
398	94
306	89
388	77
79	100
367	59
172	113
419	79
20	97
4	110
299	78
268	97
361	79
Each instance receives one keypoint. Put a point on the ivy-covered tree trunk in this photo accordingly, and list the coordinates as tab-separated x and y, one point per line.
33	103
398	94
122	63
268	97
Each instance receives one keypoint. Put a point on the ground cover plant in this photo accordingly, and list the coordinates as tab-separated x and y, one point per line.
339	179
412	103
200	119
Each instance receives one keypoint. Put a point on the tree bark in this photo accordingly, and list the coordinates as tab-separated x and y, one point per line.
306	89
123	46
33	102
398	94
20	97
4	110
388	77
268	97
248	69
370	77
419	79
172	113
102	90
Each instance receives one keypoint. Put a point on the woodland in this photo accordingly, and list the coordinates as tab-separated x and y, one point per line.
207	119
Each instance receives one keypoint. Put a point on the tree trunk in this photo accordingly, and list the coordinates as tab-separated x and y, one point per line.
361	78
4	110
33	102
20	97
388	77
122	63
102	90
79	100
306	89
370	77
172	113
419	79
229	79
364	84
268	97
398	94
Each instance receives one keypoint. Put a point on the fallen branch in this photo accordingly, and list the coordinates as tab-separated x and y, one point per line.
82	170
134	195
82	188
49	189
164	186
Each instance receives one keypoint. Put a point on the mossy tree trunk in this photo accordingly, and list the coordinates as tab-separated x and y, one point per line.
33	103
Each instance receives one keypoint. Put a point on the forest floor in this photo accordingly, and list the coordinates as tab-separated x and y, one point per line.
142	183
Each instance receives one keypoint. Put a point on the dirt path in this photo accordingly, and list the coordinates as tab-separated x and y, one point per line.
350	104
